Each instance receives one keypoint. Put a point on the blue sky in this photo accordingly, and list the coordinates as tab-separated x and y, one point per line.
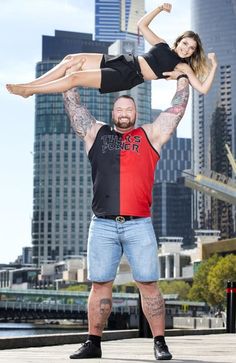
22	24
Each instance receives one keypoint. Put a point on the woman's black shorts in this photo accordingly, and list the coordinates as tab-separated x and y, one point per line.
119	73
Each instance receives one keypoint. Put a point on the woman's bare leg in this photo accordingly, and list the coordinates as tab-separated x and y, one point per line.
85	78
90	61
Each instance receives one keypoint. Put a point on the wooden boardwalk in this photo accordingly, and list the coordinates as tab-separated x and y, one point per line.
215	348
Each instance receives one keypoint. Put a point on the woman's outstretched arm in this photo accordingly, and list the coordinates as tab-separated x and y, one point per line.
201	86
143	24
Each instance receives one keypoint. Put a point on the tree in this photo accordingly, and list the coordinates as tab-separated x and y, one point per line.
200	288
175	287
218	276
210	281
79	288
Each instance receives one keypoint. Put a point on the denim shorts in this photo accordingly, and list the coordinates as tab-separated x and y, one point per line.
108	240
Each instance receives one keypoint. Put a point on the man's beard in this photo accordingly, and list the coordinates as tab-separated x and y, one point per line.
124	122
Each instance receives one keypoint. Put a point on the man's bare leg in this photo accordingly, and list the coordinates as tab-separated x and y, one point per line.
154	309
153	306
99	307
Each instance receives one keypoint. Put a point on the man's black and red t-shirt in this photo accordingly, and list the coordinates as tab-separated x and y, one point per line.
123	167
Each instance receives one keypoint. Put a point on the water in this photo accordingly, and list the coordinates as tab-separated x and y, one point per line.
24	329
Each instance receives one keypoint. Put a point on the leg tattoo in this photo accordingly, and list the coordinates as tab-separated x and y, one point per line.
153	306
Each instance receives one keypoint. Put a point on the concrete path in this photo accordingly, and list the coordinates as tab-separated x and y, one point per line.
216	348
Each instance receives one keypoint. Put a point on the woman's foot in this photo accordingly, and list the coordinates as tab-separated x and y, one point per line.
19	90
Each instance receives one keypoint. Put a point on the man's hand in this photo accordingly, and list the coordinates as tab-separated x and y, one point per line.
77	67
172	75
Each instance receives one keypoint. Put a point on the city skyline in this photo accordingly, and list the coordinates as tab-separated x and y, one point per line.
22	49
213	129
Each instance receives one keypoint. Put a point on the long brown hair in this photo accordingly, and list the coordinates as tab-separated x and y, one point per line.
198	60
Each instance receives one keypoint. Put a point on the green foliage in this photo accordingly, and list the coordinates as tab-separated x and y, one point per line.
209	283
79	288
128	287
218	276
200	288
175	287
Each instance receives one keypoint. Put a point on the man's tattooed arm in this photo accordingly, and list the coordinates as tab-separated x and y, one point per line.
170	118
80	118
166	123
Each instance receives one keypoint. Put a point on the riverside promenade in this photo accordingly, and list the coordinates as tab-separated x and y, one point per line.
207	348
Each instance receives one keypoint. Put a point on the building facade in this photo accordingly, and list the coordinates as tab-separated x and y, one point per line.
172	201
26	255
171	211
175	157
62	179
117	19
218	35
62	176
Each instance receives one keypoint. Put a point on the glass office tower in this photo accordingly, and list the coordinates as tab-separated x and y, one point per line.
117	19
216	24
62	179
172	201
116	22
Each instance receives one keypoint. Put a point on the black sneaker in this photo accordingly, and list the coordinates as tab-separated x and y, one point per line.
87	350
161	351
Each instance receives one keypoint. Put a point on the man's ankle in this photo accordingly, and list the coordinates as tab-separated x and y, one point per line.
159	338
95	339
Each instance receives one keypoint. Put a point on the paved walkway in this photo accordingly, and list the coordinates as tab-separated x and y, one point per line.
218	348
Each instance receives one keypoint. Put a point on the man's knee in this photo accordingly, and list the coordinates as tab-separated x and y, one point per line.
97	286
151	284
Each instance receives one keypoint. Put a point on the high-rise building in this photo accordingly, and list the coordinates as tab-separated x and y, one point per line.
116	22
62	179
140	93
175	157
172	201
26	255
62	175
171	211
218	35
117	19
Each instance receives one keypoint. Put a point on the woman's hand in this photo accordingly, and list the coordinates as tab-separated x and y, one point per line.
166	7
212	58
143	24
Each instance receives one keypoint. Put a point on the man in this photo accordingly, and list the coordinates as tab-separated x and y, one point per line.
123	160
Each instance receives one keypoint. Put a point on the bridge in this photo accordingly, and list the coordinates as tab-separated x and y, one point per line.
124	299
214	184
38	304
21	310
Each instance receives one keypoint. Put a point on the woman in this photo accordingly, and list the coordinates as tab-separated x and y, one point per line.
111	74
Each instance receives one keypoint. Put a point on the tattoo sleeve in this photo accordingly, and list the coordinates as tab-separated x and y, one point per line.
80	118
170	118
